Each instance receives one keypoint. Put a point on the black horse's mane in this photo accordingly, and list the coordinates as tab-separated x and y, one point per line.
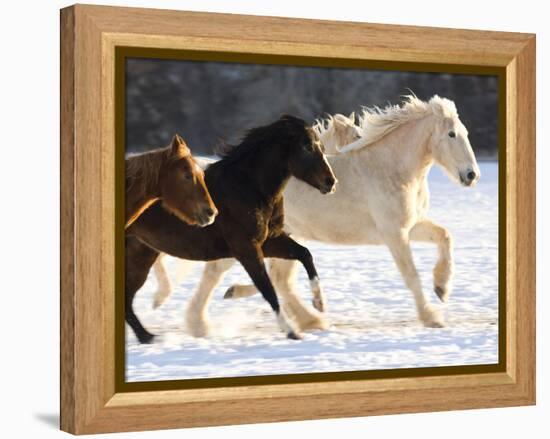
285	128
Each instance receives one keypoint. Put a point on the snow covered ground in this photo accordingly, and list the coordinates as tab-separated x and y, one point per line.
372	314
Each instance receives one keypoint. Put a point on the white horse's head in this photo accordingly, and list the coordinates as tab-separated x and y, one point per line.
336	131
450	145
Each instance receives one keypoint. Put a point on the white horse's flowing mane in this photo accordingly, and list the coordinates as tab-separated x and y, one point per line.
322	125
376	122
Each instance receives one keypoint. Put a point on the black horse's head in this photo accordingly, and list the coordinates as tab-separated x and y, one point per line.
289	144
307	161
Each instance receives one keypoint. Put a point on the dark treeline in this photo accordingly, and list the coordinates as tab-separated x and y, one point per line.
208	101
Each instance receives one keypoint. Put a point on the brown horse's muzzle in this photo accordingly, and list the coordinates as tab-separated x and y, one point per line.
207	216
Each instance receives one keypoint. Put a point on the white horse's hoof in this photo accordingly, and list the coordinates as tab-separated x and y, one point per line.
240	291
314	322
318	304
229	293
434	324
443	293
198	327
431	318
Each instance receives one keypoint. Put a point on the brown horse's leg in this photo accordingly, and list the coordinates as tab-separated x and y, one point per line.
253	263
284	247
139	259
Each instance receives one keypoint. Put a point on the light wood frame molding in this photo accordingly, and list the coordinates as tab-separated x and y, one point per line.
89	36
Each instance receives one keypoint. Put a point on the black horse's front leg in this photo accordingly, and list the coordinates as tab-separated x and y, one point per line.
284	247
252	261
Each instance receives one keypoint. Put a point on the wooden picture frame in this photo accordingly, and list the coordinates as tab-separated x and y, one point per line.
91	400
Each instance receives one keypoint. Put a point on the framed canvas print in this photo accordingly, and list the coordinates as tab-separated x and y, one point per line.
268	219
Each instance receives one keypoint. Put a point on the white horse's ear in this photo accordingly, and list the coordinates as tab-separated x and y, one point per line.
340	121
352	117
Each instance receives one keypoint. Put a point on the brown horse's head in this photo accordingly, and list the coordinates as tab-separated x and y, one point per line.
182	187
307	159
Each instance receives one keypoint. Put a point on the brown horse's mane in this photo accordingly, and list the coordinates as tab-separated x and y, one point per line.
143	169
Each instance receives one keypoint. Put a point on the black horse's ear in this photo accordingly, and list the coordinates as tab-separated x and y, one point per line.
290	118
178	147
286	116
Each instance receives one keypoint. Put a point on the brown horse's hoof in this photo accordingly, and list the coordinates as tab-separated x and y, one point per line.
294	336
229	293
147	339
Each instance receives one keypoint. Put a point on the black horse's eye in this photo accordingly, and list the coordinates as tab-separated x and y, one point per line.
452	134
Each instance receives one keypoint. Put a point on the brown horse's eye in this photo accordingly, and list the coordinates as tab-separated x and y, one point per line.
452	134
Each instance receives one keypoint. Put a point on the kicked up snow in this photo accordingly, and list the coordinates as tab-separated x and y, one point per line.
372	315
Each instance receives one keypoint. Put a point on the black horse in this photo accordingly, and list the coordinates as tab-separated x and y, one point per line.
247	188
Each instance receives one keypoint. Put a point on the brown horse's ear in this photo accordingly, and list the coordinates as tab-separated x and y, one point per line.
178	147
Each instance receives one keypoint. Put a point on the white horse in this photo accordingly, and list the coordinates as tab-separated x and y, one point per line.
382	198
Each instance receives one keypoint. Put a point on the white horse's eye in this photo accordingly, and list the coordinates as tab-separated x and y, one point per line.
452	134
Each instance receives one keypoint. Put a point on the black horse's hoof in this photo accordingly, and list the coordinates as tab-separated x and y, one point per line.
229	293
441	293
294	336
147	339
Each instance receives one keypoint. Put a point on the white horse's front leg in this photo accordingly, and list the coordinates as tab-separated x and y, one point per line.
282	273
197	312
401	251
428	231
164	288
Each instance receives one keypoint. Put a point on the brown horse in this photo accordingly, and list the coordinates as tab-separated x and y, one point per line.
169	174
247	186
